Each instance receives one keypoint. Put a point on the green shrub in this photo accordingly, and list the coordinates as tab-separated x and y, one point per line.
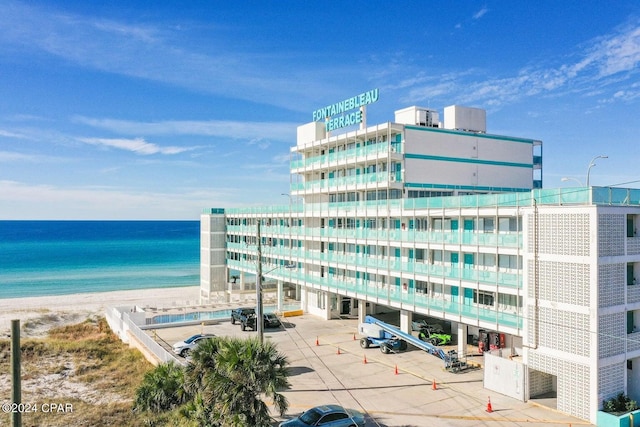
620	403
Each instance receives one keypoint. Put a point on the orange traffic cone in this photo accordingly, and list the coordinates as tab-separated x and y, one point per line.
338	352
365	359
434	386
317	342
396	369
489	408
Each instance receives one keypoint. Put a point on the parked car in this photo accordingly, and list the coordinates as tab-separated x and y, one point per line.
428	335
271	320
183	348
327	416
246	316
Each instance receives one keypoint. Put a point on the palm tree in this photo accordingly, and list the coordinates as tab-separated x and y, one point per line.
162	389
247	371
223	386
200	377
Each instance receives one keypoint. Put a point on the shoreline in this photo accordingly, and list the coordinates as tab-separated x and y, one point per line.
38	314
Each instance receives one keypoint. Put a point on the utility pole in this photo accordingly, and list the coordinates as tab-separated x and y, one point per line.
259	316
16	389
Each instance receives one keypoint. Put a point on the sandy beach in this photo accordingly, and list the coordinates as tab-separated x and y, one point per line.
38	314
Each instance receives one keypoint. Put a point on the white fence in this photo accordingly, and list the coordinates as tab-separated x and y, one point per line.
127	320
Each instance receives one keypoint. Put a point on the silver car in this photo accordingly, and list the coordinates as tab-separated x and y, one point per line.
182	348
327	416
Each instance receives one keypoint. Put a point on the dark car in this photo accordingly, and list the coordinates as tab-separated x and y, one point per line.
271	320
245	316
327	416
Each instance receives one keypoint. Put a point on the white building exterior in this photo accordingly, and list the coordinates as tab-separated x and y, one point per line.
447	221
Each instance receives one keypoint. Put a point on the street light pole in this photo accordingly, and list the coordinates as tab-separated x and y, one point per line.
592	164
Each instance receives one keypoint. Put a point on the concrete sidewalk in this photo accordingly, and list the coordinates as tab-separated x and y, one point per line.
411	388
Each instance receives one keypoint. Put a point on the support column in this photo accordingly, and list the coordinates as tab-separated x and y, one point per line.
279	296
229	292
327	305
406	317
242	279
362	310
302	295
462	339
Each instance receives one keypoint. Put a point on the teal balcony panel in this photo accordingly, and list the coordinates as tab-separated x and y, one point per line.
512	240
513	280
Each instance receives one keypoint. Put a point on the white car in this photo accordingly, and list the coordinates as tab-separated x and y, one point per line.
182	348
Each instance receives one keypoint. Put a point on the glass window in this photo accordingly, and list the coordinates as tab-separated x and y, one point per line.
486	225
321	299
329	418
508	224
483	298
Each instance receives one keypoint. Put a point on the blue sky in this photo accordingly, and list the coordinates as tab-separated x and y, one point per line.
155	110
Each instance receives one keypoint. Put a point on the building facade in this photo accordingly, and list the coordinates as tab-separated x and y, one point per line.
441	219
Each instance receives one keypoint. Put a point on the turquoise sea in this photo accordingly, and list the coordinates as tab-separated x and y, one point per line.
39	258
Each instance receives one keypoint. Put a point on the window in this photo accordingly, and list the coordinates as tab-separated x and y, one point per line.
321	296
509	302
395	194
483	298
421	287
631	277
486	260
508	225
486	225
436	290
441	224
631	226
436	256
512	262
329	418
416	194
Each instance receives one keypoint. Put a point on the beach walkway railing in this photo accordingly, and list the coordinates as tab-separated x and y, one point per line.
125	322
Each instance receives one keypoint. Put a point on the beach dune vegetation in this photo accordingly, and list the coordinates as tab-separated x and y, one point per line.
83	366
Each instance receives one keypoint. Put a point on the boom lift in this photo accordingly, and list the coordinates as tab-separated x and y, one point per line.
391	339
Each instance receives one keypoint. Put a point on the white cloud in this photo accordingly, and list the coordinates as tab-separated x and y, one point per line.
281	131
156	53
8	156
137	145
51	202
479	14
261	143
609	63
9	134
618	53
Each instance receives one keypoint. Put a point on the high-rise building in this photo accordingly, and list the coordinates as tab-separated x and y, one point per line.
446	221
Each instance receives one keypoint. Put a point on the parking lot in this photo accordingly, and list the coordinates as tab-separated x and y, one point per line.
411	388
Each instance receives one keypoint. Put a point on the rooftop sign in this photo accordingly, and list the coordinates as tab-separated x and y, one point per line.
345	119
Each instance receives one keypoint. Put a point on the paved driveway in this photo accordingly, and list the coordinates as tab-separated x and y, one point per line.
328	366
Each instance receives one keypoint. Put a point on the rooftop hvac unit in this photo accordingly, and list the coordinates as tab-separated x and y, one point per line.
417	116
465	118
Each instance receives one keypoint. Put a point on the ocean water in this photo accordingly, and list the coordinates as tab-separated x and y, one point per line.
39	258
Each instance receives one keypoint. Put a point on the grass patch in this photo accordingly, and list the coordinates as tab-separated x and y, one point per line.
84	365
